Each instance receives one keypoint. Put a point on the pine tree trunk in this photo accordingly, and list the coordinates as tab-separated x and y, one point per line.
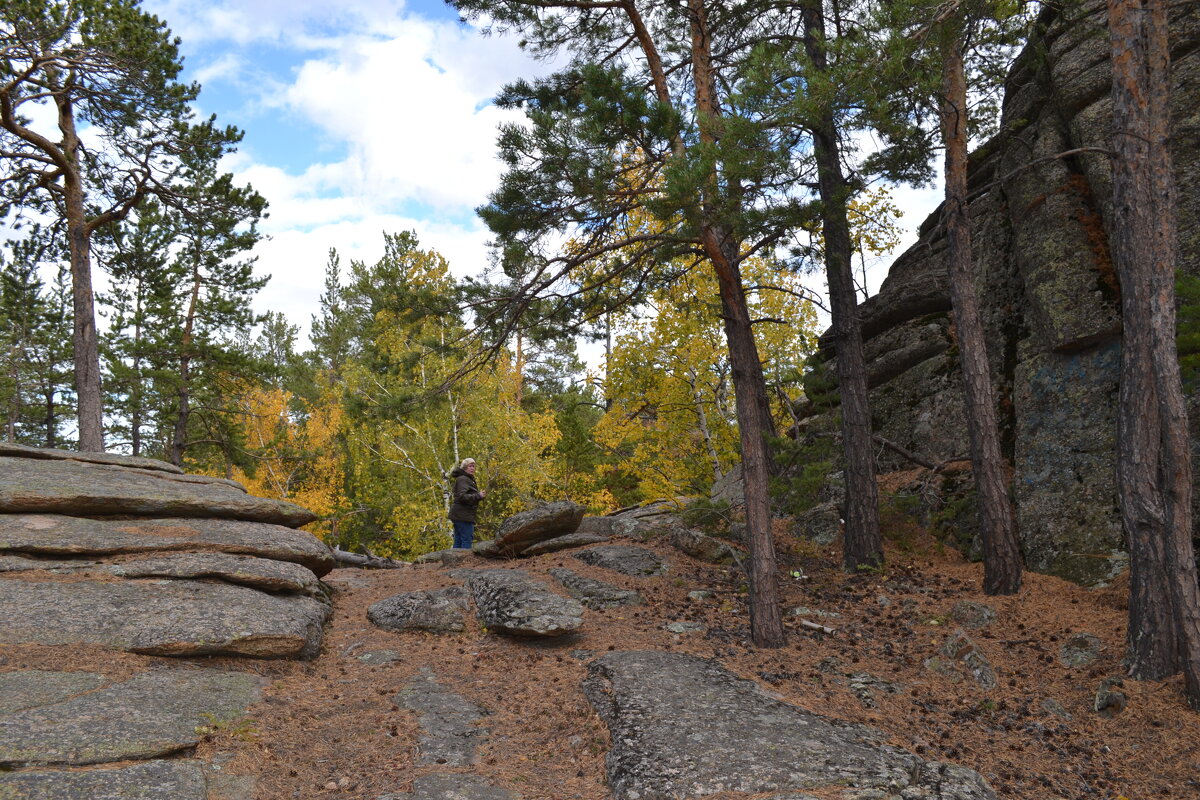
863	544
183	411
1001	545
750	394
1154	460
766	622
86	343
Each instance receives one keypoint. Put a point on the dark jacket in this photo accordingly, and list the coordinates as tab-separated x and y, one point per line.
466	496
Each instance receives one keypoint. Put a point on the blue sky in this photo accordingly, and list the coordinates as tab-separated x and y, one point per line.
360	117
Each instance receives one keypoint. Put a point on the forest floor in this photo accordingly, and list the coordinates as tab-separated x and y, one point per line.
331	727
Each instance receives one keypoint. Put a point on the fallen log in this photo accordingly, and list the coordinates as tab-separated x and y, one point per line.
348	559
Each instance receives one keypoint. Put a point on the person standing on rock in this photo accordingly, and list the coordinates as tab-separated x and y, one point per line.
466	497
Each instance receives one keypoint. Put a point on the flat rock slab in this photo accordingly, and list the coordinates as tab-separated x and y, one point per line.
682	726
449	731
148	716
23	564
258	573
593	593
452	787
509	601
523	530
625	559
153	780
80	488
22	451
564	543
440	610
169	618
36	687
58	535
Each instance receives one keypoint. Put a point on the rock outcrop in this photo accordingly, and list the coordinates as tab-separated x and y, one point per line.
625	559
1040	223
682	726
132	555
510	601
528	528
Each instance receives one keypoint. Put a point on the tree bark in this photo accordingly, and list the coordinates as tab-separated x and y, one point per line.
1001	544
86	343
1153	458
863	546
754	421
183	410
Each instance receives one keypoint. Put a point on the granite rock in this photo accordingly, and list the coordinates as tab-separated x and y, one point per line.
172	618
60	486
509	601
58	535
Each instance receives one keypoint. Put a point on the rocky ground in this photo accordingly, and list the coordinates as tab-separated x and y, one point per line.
1034	735
333	727
150	657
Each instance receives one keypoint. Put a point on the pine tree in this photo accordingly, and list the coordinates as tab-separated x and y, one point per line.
109	66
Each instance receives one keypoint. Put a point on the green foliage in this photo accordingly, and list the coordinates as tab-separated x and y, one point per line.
1187	335
178	341
711	516
35	357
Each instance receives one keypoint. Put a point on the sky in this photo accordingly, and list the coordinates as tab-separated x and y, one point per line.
361	117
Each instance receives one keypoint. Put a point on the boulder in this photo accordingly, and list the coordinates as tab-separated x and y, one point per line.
440	610
257	573
22	564
730	488
702	547
509	601
60	486
626	559
1080	650
567	542
520	531
150	715
451	557
960	652
593	593
608	526
821	524
177	779
57	535
682	726
171	618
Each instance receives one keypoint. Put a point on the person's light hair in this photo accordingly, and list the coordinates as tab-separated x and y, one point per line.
466	461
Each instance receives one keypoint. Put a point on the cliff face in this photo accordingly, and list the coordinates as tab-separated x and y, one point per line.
1048	290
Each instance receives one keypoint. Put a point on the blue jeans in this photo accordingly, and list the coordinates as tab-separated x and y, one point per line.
464	535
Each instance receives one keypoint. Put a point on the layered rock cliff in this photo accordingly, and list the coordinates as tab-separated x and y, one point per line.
1040	222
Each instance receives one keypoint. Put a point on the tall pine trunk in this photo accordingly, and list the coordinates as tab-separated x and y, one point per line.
1154	472
86	342
1001	545
722	248
863	543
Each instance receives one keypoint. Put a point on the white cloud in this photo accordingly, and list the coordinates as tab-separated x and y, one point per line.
415	128
304	23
